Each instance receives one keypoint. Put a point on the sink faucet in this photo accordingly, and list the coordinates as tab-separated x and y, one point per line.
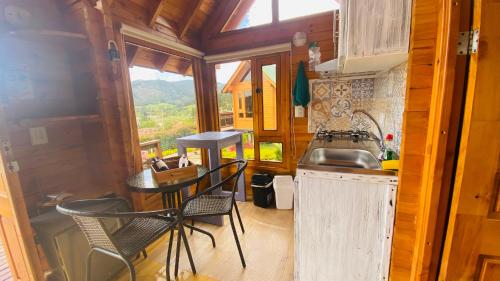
381	139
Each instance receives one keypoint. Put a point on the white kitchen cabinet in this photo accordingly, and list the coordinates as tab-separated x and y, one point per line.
343	226
374	35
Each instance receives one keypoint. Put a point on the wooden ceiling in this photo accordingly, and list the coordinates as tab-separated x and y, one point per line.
181	20
162	61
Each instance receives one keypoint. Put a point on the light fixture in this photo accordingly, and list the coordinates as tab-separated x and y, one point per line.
299	39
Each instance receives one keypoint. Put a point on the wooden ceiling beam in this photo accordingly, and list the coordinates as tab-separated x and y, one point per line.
163	62
132	54
188	17
219	17
155	11
183	69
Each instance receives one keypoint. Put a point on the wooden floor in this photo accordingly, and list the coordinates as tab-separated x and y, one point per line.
267	245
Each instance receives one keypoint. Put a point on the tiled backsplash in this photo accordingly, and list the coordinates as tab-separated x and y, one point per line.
333	101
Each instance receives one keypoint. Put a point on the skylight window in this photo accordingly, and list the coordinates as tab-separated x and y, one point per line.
260	12
289	9
252	13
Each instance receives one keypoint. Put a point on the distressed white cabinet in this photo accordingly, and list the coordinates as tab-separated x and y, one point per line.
343	226
374	35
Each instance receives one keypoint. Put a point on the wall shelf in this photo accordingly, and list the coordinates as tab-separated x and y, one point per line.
53	37
32	122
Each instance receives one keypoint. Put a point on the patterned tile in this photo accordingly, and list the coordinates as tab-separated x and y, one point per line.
322	89
341	108
363	88
333	101
342	89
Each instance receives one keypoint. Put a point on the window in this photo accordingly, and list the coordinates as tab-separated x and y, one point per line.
271	151
289	9
250	14
165	109
248	103
259	12
234	86
269	97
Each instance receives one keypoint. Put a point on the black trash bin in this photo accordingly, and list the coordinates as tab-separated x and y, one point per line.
262	188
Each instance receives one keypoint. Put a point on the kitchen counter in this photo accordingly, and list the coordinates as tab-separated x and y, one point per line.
344	215
368	145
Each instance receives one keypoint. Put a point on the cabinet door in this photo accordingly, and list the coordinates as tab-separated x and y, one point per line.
374	27
341	227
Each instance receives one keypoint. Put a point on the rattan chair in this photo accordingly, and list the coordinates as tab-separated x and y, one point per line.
138	230
205	204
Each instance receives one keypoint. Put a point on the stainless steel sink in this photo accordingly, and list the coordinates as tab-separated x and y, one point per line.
348	158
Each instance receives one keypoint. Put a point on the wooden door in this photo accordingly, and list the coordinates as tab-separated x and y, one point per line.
15	228
270	76
472	245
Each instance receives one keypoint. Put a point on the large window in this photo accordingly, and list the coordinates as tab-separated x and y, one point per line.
253	13
165	109
289	9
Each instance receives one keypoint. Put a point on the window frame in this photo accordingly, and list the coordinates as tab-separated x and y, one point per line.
230	26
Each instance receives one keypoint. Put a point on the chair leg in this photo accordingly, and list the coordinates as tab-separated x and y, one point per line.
88	265
145	254
237	241
188	250
202	231
169	253
177	253
130	269
191	230
239	217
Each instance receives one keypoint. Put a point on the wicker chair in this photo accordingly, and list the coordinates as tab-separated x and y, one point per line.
204	204
138	230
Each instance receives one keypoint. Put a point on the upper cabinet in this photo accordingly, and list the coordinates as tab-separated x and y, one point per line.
373	34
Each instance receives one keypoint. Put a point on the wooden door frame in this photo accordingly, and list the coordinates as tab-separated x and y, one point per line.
285	79
29	261
445	119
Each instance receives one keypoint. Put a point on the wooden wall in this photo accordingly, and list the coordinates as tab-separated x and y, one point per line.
320	30
421	66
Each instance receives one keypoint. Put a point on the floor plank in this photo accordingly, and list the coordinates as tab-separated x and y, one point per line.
267	245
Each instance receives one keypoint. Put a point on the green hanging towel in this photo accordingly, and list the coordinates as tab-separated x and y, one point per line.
301	88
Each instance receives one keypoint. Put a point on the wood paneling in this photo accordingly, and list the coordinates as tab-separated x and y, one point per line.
320	31
266	35
472	246
424	32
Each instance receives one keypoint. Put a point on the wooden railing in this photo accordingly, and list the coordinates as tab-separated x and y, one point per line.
150	146
226	120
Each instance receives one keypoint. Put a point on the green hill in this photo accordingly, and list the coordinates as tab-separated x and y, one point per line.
178	93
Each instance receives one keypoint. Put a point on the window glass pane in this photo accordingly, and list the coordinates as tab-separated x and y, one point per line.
235	88
289	9
248	103
165	107
260	12
269	97
271	151
248	148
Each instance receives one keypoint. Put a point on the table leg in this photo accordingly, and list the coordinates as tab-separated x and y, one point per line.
213	157
241	193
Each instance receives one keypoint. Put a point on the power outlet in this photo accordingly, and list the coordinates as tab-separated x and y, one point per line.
38	135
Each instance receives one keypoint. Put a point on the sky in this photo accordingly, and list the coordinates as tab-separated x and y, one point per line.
260	13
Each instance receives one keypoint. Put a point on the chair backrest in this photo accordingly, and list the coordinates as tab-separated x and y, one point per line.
233	178
86	215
